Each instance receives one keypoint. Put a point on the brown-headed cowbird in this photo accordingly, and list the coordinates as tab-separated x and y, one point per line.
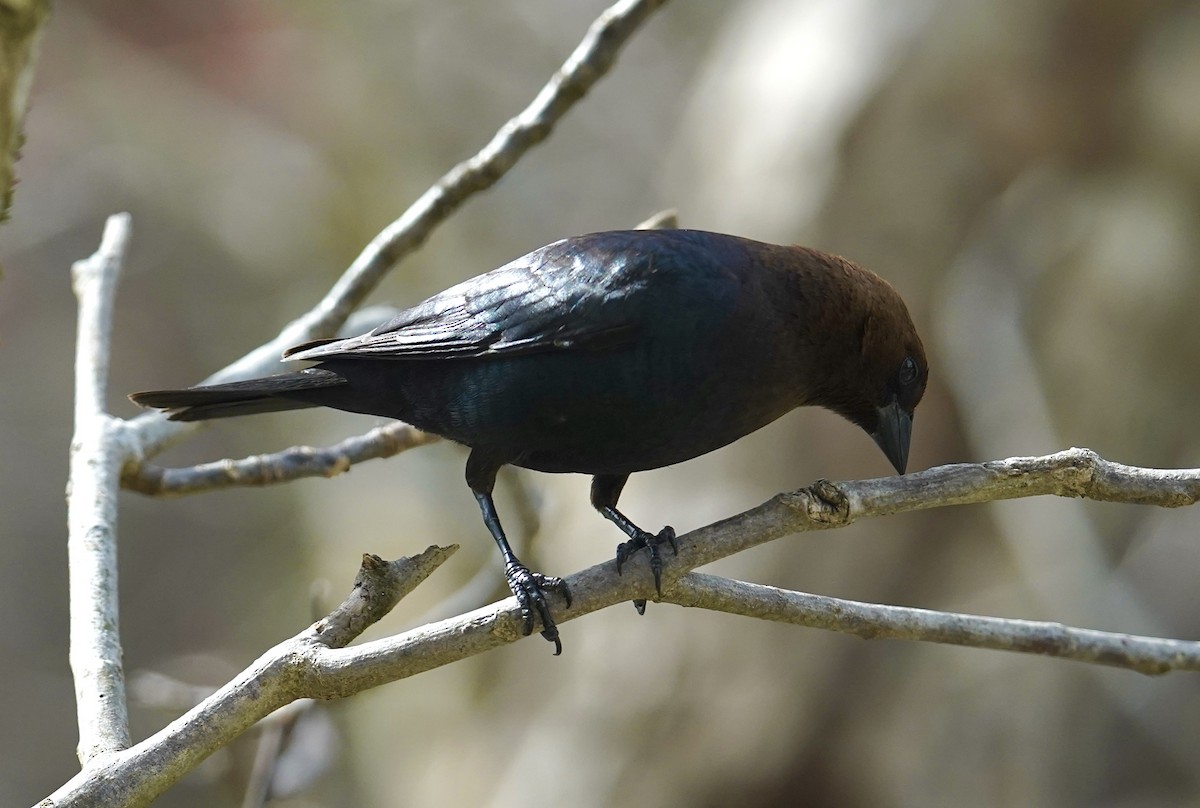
612	353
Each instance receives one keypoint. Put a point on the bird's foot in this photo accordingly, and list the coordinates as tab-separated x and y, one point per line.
530	589
626	549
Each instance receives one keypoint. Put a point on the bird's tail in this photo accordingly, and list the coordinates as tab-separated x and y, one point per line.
286	391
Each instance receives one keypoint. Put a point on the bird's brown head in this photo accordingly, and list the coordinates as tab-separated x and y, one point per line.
876	370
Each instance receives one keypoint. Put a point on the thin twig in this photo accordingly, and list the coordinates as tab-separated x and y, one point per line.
590	61
871	621
97	453
290	464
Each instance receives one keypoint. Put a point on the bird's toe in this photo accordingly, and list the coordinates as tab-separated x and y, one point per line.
530	590
650	542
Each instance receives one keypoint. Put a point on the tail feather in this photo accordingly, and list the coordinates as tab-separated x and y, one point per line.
269	394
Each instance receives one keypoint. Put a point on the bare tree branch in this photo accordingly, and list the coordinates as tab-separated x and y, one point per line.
98	450
871	621
1079	473
290	464
315	664
1075	472
591	61
136	776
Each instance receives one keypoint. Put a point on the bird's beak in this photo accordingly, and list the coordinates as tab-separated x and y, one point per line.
894	433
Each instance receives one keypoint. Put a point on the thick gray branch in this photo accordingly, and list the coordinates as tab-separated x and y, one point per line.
590	61
97	454
871	621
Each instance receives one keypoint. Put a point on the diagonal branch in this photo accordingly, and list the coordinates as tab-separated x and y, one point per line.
97	453
873	621
823	505
590	61
136	776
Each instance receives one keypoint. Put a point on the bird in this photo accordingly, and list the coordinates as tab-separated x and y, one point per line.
608	354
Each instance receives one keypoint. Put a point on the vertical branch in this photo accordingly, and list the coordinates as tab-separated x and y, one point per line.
95	476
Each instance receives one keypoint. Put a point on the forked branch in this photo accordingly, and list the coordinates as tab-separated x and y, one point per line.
316	663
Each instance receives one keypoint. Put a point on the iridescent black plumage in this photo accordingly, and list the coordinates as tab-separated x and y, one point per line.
612	353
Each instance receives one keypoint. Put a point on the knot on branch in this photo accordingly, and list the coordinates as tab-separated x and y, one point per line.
1077	475
327	463
822	503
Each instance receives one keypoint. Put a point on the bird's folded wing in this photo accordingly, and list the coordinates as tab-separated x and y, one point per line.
576	294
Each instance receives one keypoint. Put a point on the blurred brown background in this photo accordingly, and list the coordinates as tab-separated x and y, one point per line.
1027	172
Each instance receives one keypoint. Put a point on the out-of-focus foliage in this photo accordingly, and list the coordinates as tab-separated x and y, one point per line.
21	23
1027	173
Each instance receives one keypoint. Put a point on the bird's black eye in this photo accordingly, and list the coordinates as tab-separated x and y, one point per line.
908	371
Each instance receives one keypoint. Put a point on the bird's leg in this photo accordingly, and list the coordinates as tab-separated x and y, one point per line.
606	489
529	587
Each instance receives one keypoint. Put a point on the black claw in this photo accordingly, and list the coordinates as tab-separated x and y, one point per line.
656	568
626	549
530	590
668	534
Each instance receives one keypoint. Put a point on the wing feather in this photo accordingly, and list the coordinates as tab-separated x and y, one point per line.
584	293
